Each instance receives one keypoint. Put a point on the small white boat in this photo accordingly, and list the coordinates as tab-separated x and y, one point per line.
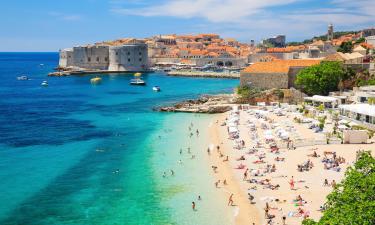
156	88
44	83
137	81
22	78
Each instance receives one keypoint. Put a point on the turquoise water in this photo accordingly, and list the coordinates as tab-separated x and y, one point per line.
73	153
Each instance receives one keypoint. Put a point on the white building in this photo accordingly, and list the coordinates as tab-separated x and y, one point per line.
361	113
370	40
327	101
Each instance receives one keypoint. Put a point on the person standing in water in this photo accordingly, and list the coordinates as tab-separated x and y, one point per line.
193	206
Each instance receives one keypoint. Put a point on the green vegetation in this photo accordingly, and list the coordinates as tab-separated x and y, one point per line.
371	100
320	108
322	37
322	121
320	79
360	40
279	93
346	47
246	93
353	200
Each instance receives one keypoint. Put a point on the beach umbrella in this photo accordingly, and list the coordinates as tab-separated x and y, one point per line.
343	121
342	127
353	124
268	132
268	137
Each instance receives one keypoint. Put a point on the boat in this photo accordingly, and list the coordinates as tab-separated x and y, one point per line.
137	80
156	88
96	80
22	77
44	83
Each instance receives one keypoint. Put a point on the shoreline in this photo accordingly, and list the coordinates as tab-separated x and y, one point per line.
309	184
246	212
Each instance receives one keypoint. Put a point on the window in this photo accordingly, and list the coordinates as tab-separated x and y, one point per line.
140	53
128	60
140	59
97	59
128	53
89	59
116	53
106	59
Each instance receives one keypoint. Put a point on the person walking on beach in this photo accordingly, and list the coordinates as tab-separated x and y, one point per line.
245	174
197	132
230	200
291	183
284	220
180	151
208	151
217	184
172	172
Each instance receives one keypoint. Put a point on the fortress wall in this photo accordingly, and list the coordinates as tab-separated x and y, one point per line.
130	57
66	58
91	57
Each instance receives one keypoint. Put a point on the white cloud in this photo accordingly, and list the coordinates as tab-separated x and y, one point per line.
212	10
248	18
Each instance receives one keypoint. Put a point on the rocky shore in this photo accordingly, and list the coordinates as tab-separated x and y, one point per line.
205	104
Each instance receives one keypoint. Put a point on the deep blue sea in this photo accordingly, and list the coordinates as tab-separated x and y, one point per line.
75	153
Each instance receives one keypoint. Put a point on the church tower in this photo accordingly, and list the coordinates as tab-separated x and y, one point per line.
330	32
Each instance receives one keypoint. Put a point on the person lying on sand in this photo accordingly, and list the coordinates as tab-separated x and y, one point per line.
314	154
241	158
241	166
279	159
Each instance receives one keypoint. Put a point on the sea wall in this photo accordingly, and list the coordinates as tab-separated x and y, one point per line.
91	57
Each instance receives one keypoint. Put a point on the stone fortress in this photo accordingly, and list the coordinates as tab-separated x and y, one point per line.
121	55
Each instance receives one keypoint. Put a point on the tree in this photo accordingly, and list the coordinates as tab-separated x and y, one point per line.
346	47
353	200
320	79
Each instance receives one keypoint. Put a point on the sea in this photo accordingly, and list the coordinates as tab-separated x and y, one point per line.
77	153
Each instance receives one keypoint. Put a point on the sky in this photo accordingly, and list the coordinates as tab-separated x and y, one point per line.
50	25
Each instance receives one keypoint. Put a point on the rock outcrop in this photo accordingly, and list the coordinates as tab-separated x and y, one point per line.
205	104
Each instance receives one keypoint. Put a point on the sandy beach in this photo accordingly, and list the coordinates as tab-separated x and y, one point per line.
269	181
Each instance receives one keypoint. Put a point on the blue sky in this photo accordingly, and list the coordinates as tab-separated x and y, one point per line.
48	25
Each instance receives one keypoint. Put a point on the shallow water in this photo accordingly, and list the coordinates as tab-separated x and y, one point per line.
73	153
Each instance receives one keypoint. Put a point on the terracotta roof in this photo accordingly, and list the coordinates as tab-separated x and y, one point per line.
367	45
338	56
279	66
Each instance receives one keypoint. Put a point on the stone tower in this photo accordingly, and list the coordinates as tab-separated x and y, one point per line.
330	32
